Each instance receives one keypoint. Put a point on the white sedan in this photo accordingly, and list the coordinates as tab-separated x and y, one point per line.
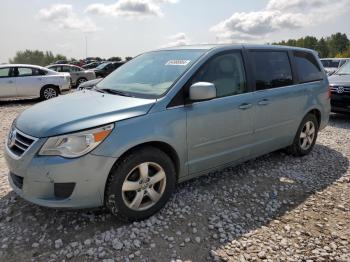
31	81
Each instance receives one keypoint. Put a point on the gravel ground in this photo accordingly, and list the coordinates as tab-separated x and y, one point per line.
274	208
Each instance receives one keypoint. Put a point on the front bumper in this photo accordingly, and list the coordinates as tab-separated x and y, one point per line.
340	103
40	179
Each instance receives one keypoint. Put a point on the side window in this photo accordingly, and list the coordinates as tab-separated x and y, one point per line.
226	72
24	71
271	69
308	67
66	69
4	72
75	69
38	72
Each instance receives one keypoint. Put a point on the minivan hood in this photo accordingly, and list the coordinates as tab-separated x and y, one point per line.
339	80
78	111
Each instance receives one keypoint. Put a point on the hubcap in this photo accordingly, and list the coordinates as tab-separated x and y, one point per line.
307	135
50	93
144	186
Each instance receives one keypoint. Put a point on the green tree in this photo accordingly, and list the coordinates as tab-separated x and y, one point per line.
36	57
128	58
310	42
322	48
335	45
338	43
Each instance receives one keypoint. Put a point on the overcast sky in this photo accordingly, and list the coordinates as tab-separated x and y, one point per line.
129	27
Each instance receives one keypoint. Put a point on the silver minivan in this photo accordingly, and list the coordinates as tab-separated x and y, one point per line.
165	117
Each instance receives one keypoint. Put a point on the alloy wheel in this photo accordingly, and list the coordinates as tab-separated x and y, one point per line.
307	135
50	93
80	81
144	186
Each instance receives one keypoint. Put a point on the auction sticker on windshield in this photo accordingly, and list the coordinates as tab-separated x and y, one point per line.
178	62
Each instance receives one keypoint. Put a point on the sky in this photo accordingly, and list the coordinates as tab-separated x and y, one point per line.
130	27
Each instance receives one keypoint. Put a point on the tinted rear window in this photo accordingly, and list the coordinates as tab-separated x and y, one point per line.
330	63
272	69
307	66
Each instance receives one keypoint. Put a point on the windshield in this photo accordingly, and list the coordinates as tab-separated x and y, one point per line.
101	66
344	70
330	63
151	74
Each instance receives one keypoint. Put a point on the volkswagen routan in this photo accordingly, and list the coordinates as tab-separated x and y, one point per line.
165	117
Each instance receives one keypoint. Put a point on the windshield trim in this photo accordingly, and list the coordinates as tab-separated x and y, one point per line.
151	96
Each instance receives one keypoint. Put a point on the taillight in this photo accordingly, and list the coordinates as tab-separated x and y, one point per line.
329	93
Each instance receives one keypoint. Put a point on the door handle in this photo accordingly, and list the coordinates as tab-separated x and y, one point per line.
10	82
263	102
245	106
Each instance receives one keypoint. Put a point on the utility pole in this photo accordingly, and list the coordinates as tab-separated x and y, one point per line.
86	47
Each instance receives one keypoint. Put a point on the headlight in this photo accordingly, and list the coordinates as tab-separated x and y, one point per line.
76	144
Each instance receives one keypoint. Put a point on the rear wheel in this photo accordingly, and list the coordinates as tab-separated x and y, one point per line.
80	81
140	184
48	92
306	136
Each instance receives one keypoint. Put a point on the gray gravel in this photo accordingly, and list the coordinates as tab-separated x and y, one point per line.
274	208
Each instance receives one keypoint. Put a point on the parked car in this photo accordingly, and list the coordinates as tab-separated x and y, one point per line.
106	68
60	62
340	88
333	64
91	65
165	117
31	81
89	84
78	75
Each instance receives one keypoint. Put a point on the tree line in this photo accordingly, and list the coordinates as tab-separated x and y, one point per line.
336	45
36	57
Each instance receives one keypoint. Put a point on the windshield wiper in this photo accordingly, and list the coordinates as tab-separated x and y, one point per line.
343	74
113	91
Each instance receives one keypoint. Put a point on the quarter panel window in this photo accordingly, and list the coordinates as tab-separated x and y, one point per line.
271	69
4	72
307	66
226	72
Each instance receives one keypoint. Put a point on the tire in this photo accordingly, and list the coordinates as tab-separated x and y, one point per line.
304	140
127	184
48	92
80	81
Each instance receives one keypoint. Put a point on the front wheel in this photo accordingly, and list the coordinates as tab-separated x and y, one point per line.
140	184
306	136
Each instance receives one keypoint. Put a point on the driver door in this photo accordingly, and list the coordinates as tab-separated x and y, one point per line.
219	131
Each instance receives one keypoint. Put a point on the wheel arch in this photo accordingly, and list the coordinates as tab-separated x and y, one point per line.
317	113
163	146
50	85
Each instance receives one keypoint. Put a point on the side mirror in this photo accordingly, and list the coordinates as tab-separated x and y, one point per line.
202	91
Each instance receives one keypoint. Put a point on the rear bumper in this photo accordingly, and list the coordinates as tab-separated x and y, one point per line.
65	87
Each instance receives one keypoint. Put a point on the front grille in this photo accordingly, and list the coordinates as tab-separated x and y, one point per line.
19	143
340	89
17	180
